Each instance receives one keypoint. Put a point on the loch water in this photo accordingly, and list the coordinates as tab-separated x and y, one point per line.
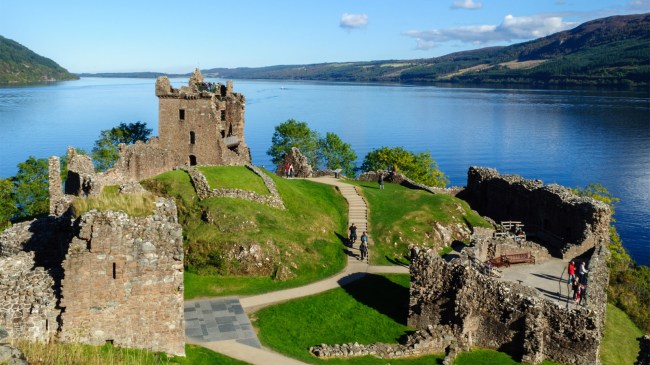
569	137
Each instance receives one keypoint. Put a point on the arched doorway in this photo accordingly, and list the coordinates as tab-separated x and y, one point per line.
192	160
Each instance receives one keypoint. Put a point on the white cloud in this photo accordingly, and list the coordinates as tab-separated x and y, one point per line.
511	28
466	4
353	21
639	5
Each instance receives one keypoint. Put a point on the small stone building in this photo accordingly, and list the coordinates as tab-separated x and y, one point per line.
202	123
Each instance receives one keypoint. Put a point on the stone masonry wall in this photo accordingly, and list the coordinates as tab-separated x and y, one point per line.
490	247
507	316
124	281
27	299
141	161
567	224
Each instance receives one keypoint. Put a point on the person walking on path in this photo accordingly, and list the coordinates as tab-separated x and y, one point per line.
572	272
286	170
364	246
290	170
353	233
583	273
381	181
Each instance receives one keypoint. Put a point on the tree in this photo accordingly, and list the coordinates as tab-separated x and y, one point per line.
293	133
337	154
420	167
31	190
7	202
105	151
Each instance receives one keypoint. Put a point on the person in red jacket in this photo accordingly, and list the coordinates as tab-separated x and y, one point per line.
572	272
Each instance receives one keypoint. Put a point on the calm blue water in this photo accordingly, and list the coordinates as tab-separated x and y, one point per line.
568	137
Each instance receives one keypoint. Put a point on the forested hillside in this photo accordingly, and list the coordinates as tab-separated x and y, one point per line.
611	51
18	64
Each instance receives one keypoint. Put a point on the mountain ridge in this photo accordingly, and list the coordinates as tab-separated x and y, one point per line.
605	52
19	64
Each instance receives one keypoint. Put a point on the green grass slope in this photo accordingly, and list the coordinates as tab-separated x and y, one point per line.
400	216
18	64
302	238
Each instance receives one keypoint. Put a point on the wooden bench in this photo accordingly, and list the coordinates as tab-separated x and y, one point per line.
520	258
513	258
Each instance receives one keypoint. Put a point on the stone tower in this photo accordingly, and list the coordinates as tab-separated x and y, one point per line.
202	123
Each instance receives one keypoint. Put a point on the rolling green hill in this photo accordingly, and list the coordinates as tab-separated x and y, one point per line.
611	51
18	64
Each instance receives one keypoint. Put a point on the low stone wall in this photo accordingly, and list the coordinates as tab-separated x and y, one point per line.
491	247
431	340
204	191
398	178
507	316
124	281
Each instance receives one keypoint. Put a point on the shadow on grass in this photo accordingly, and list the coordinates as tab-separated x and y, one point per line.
397	261
381	294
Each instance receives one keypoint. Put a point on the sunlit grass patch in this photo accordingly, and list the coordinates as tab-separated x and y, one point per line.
135	205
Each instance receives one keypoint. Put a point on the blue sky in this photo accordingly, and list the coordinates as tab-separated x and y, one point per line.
174	36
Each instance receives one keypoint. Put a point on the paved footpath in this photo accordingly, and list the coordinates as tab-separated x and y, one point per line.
221	324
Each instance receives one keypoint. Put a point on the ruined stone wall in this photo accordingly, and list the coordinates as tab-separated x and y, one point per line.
124	281
567	224
27	299
300	163
204	191
506	316
141	161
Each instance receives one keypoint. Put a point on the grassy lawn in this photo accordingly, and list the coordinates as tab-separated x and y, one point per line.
64	354
303	238
489	357
400	216
619	345
135	205
230	177
372	309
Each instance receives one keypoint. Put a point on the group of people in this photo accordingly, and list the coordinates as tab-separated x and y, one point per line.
207	86
578	283
288	169
363	248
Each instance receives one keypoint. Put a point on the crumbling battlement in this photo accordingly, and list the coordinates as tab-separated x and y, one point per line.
507	316
568	225
202	123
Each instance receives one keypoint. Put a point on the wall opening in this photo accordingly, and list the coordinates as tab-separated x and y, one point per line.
223	134
192	160
223	115
181	114
192	137
114	271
